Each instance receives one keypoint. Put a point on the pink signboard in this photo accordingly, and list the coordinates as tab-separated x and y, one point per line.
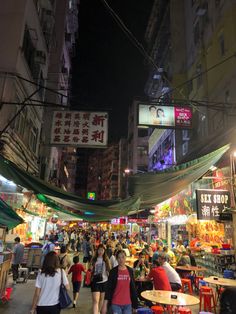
80	128
183	116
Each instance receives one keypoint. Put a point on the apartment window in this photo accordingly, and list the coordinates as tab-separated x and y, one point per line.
28	49
185	148
190	86
227	97
33	138
142	132
196	33
222	45
199	73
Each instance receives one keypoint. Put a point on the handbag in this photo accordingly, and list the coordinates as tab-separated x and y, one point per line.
98	277
64	298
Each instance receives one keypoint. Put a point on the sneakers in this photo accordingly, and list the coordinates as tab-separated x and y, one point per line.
73	305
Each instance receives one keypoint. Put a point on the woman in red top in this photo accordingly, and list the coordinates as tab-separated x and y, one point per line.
159	276
120	293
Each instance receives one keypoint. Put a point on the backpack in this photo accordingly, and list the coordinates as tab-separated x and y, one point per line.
61	261
46	249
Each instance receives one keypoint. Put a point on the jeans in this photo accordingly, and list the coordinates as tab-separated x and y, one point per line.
15	268
121	309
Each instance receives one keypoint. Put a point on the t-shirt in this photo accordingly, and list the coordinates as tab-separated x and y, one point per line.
100	268
121	295
50	287
18	253
171	274
160	279
76	271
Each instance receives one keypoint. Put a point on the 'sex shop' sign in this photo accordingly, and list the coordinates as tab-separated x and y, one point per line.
210	203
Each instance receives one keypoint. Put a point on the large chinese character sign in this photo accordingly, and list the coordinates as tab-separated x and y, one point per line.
210	203
79	128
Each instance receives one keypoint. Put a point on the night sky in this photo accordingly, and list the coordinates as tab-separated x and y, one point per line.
108	70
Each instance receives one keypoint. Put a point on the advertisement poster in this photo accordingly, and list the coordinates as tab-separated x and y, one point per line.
164	116
80	128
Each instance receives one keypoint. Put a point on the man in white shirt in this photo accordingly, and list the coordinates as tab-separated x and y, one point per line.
172	275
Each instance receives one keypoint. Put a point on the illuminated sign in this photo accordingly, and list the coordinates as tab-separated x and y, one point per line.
211	203
164	116
80	128
91	196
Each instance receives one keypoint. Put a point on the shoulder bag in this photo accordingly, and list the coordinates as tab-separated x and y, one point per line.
64	298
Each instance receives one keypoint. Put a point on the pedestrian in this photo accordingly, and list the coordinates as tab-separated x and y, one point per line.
18	253
100	266
48	282
47	247
120	294
228	301
76	271
87	251
64	258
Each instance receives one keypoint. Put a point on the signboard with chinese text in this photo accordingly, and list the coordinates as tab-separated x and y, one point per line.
210	203
80	128
164	116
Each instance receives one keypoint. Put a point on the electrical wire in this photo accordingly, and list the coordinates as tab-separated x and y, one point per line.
140	47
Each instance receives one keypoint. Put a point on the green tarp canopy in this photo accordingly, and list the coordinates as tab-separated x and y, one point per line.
8	216
78	206
146	189
154	188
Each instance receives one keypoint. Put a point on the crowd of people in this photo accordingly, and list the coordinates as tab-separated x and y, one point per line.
116	285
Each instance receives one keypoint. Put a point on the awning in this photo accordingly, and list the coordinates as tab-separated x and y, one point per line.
82	208
154	188
8	216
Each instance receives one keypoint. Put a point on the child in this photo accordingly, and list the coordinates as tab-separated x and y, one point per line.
76	271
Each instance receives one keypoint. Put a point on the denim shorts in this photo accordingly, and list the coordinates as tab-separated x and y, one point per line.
121	309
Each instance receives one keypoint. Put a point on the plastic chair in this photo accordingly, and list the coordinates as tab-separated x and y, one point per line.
157	309
187	283
207	299
219	291
229	274
6	297
144	310
184	310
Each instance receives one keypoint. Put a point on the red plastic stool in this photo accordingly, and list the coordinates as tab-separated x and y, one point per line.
184	310
207	298
218	294
157	309
187	283
7	295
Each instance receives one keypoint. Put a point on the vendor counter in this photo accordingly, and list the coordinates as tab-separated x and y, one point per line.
5	265
216	264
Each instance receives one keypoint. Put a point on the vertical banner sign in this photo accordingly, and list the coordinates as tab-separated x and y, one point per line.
211	203
80	128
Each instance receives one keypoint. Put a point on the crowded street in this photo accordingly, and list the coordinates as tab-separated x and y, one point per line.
117	157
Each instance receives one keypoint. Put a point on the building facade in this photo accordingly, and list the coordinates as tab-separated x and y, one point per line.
26	31
200	69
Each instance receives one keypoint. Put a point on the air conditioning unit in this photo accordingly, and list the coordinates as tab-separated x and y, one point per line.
40	56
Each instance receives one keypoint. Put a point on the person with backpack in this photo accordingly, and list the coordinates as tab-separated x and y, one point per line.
76	271
64	258
47	247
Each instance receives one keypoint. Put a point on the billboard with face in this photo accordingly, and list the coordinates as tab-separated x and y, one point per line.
164	116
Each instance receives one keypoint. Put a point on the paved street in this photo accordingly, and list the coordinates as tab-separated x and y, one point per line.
23	293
